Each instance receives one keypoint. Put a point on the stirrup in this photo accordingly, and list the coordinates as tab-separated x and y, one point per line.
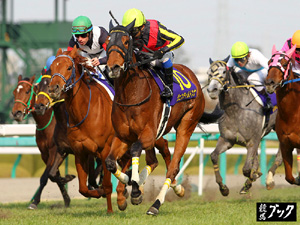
167	92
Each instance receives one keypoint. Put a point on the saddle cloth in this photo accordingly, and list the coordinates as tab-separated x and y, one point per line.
183	88
262	100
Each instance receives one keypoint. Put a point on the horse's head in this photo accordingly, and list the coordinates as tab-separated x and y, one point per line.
119	49
216	77
24	98
65	69
279	68
43	100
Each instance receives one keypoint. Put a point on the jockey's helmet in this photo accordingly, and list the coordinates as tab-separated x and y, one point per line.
239	50
133	14
81	25
296	39
49	62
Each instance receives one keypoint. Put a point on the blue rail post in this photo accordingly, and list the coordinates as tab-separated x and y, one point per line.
14	169
223	166
263	162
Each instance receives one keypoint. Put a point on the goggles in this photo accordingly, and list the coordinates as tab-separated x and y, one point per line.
241	60
81	29
81	35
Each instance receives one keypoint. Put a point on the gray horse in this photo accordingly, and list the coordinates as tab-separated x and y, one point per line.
243	123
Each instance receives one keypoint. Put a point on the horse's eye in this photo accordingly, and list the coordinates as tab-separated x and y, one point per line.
126	42
70	67
27	92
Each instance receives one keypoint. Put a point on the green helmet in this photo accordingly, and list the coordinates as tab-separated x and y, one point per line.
81	25
132	14
239	50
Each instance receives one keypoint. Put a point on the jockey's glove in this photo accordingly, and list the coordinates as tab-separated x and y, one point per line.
158	54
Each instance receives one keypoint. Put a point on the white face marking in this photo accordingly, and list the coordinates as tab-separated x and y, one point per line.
19	88
57	64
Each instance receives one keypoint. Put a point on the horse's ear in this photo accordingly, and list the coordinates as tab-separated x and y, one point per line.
32	79
111	25
274	50
19	77
291	51
210	61
226	59
74	52
130	26
59	52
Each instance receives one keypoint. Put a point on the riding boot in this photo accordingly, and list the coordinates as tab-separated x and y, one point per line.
168	89
268	106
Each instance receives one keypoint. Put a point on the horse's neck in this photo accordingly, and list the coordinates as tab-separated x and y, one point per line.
60	113
42	120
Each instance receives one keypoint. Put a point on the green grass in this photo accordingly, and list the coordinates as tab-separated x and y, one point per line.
211	208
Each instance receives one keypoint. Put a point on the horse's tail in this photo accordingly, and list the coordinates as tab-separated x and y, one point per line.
212	117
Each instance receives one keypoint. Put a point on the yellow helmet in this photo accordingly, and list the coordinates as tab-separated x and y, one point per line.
131	15
296	39
239	50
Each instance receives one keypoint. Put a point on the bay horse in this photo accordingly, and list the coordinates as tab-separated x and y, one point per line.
65	62
137	111
242	123
25	95
285	82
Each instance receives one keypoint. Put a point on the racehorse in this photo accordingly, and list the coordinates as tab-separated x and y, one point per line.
72	59
285	82
242	123
138	110
89	128
24	95
44	102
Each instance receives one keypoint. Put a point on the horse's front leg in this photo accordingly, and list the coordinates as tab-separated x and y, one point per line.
287	156
222	146
270	182
118	149
136	194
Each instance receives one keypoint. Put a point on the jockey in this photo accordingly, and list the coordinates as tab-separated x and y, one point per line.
251	64
295	40
91	40
157	38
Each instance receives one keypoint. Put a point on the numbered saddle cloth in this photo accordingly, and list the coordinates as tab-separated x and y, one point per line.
183	88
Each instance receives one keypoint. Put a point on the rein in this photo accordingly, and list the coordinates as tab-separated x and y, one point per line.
70	85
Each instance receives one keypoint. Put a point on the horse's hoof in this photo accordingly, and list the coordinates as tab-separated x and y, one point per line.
152	211
32	206
123	206
256	175
245	189
69	177
67	202
154	208
181	192
136	200
224	190
270	186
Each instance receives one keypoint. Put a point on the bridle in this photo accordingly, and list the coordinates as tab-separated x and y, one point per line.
276	62
216	75
116	35
27	105
70	83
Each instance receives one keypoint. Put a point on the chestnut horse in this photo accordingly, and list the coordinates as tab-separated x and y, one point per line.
25	94
88	105
285	82
136	114
44	102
